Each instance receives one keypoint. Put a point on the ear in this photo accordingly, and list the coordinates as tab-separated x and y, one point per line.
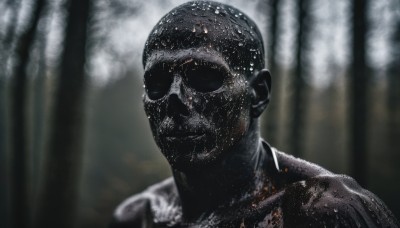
261	92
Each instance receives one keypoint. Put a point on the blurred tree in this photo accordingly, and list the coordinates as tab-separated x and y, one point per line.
272	118
5	53
394	78
19	152
59	194
358	89
38	100
392	124
299	101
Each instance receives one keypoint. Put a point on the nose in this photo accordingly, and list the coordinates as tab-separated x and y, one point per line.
176	105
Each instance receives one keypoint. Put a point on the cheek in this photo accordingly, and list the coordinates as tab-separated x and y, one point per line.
228	111
236	117
154	111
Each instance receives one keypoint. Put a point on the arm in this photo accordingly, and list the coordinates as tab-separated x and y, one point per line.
138	210
133	212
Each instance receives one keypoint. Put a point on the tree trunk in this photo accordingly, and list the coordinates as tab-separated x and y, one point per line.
298	97
39	106
359	82
272	118
59	193
5	53
19	152
393	96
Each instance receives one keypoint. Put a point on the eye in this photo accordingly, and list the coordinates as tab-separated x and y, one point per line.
205	79
157	84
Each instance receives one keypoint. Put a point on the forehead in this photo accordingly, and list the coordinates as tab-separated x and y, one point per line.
216	30
184	56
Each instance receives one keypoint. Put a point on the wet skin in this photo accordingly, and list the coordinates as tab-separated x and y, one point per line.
198	106
301	194
203	95
202	128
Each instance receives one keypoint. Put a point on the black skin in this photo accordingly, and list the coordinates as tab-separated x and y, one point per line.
204	93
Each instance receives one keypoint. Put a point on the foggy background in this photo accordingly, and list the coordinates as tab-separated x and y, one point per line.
75	141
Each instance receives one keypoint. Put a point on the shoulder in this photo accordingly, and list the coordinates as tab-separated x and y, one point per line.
334	200
137	209
297	168
289	169
314	196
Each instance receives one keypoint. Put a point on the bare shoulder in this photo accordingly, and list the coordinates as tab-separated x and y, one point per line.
314	196
138	210
298	169
334	200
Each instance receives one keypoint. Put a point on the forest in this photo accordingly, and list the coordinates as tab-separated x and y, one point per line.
75	141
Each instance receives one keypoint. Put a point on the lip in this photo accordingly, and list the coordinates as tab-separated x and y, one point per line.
184	136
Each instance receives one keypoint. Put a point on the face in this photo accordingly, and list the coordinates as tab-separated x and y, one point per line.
198	106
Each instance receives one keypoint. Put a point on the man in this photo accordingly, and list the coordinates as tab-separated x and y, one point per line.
205	87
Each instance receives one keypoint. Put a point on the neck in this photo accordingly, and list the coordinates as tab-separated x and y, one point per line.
233	179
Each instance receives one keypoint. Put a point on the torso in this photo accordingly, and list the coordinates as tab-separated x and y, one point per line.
306	195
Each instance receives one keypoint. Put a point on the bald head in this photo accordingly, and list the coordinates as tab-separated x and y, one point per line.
211	27
205	85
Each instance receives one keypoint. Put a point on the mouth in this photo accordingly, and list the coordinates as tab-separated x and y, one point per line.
184	136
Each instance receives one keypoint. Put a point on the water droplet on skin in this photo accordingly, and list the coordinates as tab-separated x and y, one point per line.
236	15
240	44
205	30
144	86
176	28
335	210
194	29
251	64
251	68
190	98
240	32
216	11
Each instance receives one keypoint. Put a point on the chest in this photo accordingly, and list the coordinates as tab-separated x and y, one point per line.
240	217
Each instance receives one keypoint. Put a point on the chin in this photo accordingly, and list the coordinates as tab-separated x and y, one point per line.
194	153
183	160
